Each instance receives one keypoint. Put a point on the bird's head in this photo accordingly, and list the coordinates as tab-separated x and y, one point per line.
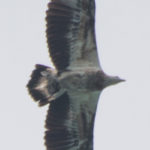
111	80
103	80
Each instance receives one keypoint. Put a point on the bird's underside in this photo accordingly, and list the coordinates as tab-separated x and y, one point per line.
73	89
73	97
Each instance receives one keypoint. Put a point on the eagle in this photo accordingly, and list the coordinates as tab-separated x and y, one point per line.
72	88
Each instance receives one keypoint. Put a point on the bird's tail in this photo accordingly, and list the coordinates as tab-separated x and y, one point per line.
43	84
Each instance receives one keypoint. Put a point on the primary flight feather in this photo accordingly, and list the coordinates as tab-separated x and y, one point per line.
71	33
72	90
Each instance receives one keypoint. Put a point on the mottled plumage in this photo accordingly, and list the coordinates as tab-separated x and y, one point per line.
72	90
71	33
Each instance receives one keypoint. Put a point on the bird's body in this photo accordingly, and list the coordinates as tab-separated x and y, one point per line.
72	90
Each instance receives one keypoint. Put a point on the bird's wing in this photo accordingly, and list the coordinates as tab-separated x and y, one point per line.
69	122
71	34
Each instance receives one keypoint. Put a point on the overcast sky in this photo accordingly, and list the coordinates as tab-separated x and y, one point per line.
123	39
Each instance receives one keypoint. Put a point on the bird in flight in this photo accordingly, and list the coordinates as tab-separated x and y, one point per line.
72	89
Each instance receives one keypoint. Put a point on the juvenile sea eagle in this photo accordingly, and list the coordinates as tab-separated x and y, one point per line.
73	88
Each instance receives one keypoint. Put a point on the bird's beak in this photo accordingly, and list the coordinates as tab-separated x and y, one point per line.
117	79
121	80
112	80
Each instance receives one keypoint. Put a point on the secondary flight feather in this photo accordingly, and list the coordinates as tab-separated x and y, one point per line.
73	88
71	33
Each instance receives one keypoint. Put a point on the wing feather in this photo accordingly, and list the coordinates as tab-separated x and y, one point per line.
70	123
62	132
71	34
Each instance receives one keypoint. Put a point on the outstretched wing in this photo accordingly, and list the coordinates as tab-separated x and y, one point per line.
71	34
69	123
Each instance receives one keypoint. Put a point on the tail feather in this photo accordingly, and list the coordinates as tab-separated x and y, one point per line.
43	84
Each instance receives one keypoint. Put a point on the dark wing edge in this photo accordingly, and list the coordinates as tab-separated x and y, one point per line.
62	132
65	130
71	33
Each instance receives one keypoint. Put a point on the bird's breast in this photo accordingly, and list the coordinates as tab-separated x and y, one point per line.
84	80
